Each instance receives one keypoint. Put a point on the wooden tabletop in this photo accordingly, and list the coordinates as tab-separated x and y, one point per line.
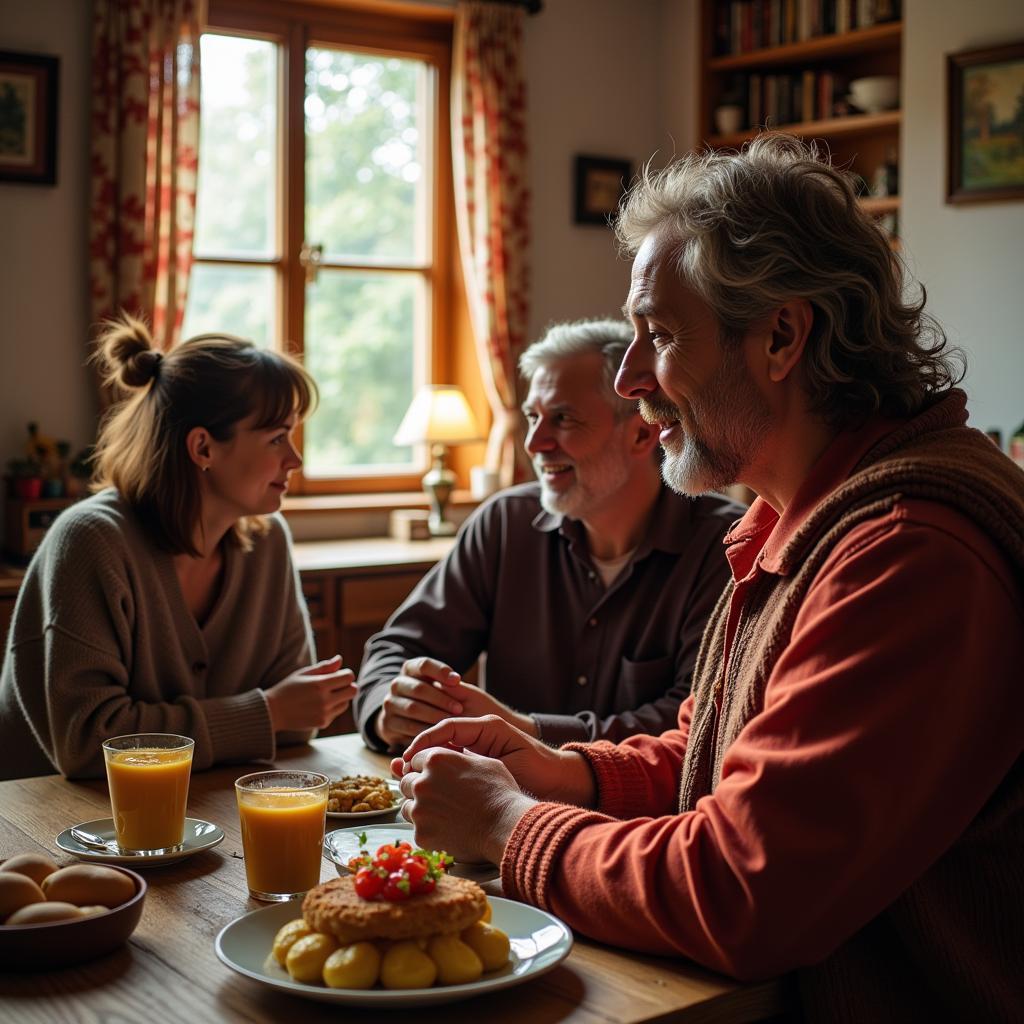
169	970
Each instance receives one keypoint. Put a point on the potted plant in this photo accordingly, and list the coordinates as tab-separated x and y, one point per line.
26	476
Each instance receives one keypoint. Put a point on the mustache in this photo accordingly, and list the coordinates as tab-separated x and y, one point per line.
657	410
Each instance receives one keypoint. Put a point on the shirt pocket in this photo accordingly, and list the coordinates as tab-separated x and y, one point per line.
643	681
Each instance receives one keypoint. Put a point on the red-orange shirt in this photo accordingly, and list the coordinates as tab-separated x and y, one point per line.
824	813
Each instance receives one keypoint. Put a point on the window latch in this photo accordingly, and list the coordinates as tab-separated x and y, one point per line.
310	256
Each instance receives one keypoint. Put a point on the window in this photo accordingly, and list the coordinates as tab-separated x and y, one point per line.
322	218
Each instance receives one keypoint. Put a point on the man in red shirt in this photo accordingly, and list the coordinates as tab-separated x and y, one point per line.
844	793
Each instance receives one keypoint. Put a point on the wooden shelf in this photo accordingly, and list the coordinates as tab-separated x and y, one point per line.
854	124
879	206
877	37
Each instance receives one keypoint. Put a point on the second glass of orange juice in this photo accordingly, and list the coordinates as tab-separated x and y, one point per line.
148	775
282	814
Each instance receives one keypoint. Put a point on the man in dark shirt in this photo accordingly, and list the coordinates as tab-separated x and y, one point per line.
588	590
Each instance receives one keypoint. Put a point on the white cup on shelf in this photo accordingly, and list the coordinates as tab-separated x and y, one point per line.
729	119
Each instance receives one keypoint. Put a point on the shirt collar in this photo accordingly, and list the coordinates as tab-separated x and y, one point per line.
762	522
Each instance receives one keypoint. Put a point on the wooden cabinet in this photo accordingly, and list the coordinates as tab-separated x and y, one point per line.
352	586
787	64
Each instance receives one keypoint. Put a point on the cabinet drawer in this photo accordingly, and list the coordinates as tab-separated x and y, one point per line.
317	592
369	600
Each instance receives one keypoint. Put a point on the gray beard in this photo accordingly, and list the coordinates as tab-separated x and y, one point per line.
731	412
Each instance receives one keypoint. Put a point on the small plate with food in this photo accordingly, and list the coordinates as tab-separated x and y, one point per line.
343	845
419	937
364	798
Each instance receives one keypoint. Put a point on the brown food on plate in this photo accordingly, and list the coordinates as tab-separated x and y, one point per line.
333	908
355	793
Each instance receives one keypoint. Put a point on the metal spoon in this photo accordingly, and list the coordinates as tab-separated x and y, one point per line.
93	840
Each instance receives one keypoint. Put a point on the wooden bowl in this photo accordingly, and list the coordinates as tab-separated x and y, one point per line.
54	944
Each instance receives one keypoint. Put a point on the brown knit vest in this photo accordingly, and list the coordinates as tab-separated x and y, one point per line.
931	952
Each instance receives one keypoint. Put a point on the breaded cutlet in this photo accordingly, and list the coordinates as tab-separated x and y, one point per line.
333	908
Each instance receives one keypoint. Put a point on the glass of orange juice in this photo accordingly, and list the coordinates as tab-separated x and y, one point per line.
148	775
282	814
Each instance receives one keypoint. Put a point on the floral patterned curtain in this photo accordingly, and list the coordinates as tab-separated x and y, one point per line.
492	205
145	144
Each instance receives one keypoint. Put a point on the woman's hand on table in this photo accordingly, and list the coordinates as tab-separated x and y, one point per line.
464	781
311	697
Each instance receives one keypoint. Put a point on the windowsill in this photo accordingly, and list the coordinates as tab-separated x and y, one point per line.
302	504
344	516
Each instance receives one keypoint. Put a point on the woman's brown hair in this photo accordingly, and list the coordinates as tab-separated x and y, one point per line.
213	381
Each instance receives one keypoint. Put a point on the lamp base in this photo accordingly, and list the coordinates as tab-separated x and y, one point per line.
444	528
438	484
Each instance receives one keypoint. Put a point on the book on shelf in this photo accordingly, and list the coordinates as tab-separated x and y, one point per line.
782	99
742	26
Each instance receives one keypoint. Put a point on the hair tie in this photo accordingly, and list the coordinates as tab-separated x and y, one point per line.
158	359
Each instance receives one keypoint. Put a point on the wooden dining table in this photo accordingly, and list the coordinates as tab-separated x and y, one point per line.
169	971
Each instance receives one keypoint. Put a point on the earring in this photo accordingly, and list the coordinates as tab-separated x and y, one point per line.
206	469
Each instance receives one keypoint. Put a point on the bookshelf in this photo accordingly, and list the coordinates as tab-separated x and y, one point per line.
788	65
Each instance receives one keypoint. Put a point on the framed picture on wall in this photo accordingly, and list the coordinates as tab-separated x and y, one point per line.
600	184
28	118
986	124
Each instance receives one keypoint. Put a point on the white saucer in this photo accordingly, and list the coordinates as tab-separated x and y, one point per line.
199	835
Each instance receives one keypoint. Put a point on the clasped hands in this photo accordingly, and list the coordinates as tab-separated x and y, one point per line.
468	781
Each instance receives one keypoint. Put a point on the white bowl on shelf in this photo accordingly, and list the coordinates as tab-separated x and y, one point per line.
875	93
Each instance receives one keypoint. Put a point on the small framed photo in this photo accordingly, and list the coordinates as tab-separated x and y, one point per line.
986	124
600	184
28	118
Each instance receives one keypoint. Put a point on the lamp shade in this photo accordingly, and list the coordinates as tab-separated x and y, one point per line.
439	414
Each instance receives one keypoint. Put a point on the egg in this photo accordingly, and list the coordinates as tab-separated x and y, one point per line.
17	891
42	913
89	884
34	865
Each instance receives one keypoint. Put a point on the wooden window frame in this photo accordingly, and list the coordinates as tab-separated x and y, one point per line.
390	28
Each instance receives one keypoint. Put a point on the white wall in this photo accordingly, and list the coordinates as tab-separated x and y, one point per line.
43	289
969	257
593	80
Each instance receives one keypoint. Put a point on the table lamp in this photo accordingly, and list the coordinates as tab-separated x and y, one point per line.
440	416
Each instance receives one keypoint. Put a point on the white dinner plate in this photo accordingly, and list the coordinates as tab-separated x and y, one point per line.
539	943
341	845
385	814
199	835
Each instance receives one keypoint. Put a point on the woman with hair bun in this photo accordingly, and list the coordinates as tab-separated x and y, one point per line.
168	601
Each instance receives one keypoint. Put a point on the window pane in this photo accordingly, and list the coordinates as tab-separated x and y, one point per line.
361	349
232	300
237	148
365	160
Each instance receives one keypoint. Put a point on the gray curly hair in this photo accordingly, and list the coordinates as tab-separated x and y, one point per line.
777	221
610	338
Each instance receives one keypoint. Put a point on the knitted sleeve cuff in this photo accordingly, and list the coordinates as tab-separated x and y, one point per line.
621	785
535	846
239	727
